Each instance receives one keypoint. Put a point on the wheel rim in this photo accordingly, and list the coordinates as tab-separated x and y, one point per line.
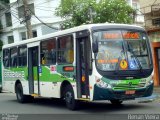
69	97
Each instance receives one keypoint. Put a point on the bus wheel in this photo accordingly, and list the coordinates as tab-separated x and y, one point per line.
0	90
69	98
116	102
20	96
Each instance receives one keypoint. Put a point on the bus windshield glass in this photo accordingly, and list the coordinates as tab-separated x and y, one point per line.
122	50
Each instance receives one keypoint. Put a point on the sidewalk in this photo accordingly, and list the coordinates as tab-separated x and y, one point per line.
156	90
157	93
155	97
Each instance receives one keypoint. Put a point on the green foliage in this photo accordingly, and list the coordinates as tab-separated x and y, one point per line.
77	12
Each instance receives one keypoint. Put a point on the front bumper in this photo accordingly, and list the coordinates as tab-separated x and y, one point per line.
109	94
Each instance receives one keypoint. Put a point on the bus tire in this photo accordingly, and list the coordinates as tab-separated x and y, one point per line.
21	98
0	90
69	98
116	102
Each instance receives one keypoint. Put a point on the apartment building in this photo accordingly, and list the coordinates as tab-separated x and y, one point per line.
151	11
13	21
138	17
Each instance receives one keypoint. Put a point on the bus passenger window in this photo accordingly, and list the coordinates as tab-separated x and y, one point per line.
13	60
65	49
48	52
22	56
6	57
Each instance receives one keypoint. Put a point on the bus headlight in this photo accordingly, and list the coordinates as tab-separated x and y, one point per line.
149	81
102	84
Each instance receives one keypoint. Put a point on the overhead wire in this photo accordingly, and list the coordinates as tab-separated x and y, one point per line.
43	2
44	9
55	28
9	7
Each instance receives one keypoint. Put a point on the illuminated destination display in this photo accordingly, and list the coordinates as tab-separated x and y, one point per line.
112	35
125	35
129	35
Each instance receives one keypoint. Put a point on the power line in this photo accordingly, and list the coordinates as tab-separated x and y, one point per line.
44	2
18	19
44	9
55	28
154	2
8	9
44	6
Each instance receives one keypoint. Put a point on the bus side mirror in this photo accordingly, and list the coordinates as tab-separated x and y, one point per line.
95	47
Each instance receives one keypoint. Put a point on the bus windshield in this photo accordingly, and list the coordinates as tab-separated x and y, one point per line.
122	50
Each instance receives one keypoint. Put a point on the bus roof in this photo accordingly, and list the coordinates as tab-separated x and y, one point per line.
71	30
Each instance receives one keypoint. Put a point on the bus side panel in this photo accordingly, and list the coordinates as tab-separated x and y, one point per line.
51	78
10	76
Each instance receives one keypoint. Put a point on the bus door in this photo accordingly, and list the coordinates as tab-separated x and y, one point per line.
82	65
33	62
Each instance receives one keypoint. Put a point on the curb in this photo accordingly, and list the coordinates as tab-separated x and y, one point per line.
152	98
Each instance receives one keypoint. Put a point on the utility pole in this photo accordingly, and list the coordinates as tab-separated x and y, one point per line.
27	15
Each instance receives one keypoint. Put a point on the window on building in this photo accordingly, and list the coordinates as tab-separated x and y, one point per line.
10	39
6	57
23	35
34	32
156	21
21	10
8	19
48	52
65	49
13	60
22	56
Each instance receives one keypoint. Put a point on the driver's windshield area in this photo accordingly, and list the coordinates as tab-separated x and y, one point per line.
122	50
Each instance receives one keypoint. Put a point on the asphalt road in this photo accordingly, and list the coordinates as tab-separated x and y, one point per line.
9	105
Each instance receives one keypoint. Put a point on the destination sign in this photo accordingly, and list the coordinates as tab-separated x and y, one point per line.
124	35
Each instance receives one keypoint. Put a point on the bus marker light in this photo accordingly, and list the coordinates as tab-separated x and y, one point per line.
35	95
90	87
83	78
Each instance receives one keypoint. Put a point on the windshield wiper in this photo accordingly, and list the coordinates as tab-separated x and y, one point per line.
131	51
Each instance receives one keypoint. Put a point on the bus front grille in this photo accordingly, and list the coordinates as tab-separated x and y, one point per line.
128	86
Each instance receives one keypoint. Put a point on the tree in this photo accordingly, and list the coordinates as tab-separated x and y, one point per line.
77	12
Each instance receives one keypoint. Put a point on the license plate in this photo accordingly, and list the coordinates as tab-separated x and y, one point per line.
130	92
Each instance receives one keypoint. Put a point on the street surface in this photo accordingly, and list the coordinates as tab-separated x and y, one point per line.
9	104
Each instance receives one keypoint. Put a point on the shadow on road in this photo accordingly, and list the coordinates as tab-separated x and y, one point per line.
89	107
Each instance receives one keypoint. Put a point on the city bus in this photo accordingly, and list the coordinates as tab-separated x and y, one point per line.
85	63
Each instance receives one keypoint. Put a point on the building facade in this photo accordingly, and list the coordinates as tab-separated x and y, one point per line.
138	16
43	20
151	11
